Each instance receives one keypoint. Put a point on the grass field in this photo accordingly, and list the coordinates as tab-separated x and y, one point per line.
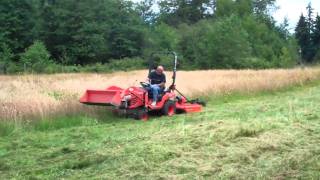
33	97
266	135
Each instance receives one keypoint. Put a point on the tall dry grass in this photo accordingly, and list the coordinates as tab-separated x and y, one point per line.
29	97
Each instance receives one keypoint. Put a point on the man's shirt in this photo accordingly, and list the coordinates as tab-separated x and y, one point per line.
156	78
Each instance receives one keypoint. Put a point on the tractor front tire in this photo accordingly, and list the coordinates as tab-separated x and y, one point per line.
169	108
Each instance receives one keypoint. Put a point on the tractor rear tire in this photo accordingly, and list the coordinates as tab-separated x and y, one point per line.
169	108
142	115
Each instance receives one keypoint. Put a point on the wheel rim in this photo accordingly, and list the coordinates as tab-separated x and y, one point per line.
171	110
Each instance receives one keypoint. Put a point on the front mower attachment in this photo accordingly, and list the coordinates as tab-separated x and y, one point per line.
109	97
189	108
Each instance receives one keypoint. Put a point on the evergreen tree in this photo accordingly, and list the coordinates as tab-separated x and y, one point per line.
316	37
310	48
310	18
283	29
303	36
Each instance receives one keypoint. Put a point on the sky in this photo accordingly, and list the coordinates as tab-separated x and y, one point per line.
291	9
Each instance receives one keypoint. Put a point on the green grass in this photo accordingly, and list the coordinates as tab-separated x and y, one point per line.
268	135
6	128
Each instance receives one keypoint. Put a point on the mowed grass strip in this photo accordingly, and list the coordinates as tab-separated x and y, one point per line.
273	136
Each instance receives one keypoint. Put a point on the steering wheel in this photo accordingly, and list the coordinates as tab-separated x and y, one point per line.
145	84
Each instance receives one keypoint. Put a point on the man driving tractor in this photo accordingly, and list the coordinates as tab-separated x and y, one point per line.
135	101
157	79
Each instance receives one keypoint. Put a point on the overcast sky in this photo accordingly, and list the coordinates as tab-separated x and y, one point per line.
291	9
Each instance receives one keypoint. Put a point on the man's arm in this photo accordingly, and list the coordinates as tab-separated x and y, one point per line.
148	80
163	83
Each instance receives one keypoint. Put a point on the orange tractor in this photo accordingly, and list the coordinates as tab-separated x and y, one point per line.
135	102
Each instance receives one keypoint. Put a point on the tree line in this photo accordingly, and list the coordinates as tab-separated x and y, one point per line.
97	35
